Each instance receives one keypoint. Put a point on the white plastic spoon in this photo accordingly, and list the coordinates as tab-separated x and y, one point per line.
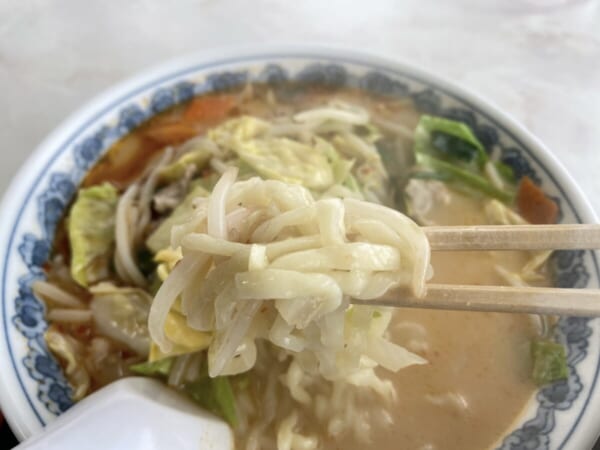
134	414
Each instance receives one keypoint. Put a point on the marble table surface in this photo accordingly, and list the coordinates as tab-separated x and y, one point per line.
537	59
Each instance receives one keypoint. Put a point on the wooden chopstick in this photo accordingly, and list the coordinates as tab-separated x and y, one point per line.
531	300
509	299
514	237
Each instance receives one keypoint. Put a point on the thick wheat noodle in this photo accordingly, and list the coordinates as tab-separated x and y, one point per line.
124	260
147	191
69	315
55	294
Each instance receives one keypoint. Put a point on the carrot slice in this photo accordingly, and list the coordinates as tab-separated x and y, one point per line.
171	133
209	108
534	205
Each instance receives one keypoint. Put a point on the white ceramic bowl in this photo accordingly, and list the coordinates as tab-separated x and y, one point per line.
33	390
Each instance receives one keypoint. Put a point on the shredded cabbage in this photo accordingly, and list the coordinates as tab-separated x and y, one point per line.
274	157
316	148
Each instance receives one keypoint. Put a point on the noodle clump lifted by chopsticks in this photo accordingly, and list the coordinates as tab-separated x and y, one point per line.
261	259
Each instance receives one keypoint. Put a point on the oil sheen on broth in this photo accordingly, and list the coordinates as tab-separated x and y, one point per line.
477	380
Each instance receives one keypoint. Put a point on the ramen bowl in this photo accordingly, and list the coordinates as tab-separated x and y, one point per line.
33	389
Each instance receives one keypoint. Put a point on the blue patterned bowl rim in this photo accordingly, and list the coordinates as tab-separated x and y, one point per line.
32	389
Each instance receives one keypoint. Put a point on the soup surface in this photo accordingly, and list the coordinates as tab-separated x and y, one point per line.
477	376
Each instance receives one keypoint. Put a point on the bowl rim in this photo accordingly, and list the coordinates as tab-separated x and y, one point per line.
584	431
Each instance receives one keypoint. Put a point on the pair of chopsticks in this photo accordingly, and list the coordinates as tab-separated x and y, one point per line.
533	300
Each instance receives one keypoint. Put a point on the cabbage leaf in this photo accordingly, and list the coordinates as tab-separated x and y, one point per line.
185	338
456	175
121	313
278	158
161	237
68	350
91	232
198	158
448	139
549	361
449	151
215	395
160	368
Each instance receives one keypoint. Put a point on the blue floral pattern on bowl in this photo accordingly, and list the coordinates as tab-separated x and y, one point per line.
569	266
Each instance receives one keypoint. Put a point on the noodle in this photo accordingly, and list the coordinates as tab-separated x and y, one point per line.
355	256
216	222
124	260
175	283
69	315
56	294
146	192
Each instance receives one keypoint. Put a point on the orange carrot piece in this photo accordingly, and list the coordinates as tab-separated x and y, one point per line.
209	108
534	205
171	133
